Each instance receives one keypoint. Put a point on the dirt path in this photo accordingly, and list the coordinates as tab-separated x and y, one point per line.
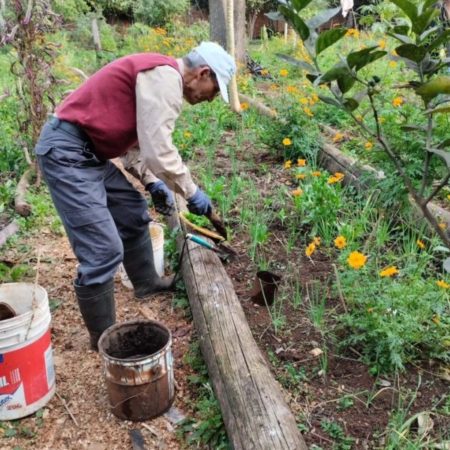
79	377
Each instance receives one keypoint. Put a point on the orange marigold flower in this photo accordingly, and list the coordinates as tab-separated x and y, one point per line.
352	32
291	89
442	225
340	242
382	44
297	192
316	173
442	284
310	249
300	176
389	271
336	178
398	101
356	260
368	145
301	162
284	73
317	240
187	134
264	72
392	64
244	106
308	111
287	142
420	244
338	137
303	100
288	164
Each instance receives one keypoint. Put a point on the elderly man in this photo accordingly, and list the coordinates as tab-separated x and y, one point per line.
133	101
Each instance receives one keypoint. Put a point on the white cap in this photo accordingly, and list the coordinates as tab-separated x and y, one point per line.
220	62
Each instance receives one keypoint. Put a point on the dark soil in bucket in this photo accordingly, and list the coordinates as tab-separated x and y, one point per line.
136	341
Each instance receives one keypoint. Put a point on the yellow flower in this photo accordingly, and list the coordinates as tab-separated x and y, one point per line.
389	271
442	225
316	173
300	176
273	87
317	240
287	142
291	89
244	106
398	101
303	100
301	162
314	99
356	260
336	178
297	192
264	72
338	137
368	145
308	112
420	244
392	64
340	242
284	73
382	44
310	249
442	284
288	164
352	32
187	134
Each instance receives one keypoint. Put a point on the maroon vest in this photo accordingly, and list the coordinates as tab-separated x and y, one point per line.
104	106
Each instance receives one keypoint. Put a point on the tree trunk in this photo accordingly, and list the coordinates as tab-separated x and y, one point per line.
218	30
253	408
251	22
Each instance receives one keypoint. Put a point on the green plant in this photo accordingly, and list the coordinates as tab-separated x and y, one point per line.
420	41
158	12
336	432
345	402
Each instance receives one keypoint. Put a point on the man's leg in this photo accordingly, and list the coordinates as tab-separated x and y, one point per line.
130	212
76	182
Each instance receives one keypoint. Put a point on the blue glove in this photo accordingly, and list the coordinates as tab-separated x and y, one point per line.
199	203
162	197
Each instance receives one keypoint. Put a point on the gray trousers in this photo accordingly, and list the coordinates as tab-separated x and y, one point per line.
98	206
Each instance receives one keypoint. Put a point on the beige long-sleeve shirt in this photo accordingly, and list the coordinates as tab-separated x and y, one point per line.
159	98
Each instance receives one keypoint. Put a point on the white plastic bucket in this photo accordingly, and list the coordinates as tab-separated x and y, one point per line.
27	375
157	236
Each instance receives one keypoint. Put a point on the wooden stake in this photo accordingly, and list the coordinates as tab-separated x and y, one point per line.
66	406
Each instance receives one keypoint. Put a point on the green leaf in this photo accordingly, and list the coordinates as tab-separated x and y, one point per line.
443	38
442	154
330	101
401	29
429	4
412	52
350	104
407	7
444	143
10	432
297	62
328	38
362	58
438	85
412	128
402	38
420	24
312	77
446	265
323	17
339	70
294	19
345	82
300	4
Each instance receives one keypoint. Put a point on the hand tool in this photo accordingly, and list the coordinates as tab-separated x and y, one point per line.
224	252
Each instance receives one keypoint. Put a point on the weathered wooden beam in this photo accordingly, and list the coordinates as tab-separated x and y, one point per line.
255	413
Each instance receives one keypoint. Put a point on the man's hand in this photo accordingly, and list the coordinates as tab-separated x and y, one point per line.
162	197
199	203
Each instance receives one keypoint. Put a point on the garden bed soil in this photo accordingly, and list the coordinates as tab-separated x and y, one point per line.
314	396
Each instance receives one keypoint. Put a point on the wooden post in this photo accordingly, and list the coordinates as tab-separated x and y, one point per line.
253	408
234	97
96	35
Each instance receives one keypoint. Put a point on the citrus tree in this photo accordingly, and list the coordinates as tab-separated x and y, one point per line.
420	37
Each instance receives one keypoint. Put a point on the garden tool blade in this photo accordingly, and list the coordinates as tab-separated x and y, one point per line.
204	231
217	223
223	254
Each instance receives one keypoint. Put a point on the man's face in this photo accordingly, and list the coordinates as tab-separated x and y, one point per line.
202	86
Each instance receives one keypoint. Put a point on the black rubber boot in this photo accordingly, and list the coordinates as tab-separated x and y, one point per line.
97	308
140	267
